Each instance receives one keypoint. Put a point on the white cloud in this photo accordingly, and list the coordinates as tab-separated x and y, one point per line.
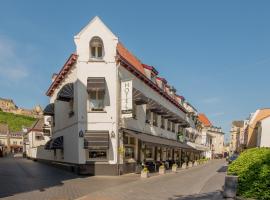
12	66
211	100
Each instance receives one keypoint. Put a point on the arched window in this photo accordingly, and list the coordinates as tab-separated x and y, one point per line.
96	48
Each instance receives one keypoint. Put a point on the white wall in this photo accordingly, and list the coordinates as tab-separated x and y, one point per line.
265	133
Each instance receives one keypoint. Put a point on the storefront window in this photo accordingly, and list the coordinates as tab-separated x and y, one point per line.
148	153
129	144
129	152
98	154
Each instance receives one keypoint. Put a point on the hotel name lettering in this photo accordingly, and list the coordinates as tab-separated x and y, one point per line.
126	99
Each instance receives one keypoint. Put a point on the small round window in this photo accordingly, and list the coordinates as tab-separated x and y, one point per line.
96	48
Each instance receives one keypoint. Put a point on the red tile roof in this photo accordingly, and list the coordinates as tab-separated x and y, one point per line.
204	120
131	59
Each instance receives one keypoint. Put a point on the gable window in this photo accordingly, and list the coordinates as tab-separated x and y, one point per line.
96	48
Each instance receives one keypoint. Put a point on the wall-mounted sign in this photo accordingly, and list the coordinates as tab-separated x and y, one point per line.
81	133
126	99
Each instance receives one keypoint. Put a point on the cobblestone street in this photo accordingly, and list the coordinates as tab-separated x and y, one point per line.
24	179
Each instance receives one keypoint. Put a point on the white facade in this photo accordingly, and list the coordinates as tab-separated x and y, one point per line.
74	120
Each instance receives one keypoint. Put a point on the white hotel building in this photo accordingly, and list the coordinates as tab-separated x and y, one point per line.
110	112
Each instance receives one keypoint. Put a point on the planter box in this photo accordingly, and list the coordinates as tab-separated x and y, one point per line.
162	170
144	174
174	168
230	186
190	164
184	166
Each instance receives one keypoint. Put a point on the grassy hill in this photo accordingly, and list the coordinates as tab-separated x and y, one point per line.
16	122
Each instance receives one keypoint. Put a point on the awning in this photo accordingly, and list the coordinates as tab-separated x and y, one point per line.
48	145
96	83
55	143
58	143
96	140
139	98
157	140
66	93
38	134
49	110
198	147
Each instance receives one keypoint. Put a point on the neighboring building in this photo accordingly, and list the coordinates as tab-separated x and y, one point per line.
7	104
193	134
237	134
254	125
110	112
263	136
35	138
10	142
3	139
212	137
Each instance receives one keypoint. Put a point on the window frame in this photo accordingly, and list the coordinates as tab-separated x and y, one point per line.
91	107
95	48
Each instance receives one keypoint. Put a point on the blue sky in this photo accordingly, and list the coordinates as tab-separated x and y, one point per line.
216	53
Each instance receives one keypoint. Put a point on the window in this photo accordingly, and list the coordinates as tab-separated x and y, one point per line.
162	122
153	77
134	111
97	100
98	154
96	48
15	142
148	116
169	125
39	137
129	144
173	127
71	112
148	152
155	119
129	152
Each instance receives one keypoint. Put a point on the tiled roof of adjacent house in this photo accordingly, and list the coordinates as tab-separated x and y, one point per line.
204	120
130	58
38	125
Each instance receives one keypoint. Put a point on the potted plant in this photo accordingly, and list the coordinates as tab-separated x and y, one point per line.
162	169
145	173
174	168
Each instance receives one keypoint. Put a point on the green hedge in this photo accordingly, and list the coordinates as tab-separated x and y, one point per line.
253	169
16	122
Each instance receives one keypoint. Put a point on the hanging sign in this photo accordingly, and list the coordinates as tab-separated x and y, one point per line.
126	99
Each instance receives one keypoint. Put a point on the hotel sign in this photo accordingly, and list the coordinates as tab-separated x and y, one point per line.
126	99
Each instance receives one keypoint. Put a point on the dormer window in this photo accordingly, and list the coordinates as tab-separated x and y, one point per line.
96	48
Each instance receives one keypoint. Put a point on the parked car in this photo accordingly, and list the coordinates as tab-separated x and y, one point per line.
232	158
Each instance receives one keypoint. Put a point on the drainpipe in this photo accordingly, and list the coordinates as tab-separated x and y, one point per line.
117	116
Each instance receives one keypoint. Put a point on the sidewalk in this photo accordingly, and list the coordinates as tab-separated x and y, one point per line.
201	182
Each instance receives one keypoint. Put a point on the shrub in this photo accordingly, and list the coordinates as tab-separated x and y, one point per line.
253	169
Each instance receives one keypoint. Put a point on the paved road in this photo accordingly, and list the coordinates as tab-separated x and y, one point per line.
22	179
